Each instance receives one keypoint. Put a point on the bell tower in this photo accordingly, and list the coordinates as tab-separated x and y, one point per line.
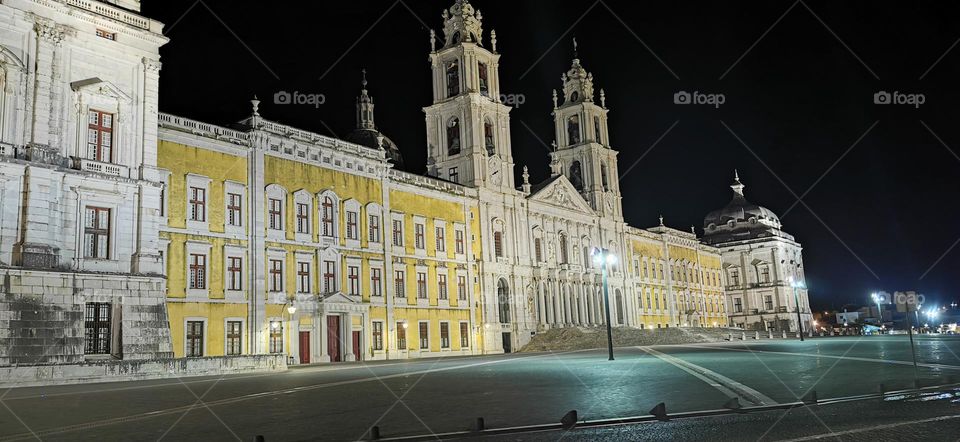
583	151
468	127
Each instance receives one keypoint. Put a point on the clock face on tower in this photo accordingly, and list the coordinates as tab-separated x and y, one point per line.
493	168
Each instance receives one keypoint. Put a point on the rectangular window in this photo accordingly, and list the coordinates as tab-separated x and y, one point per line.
442	286
419	242
198	271
734	278
421	285
276	337
96	233
97	328
106	34
352	225
374	222
276	275
441	239
377	335
194	339
399	284
444	335
234	338
234	206
454	175
482	73
424	336
768	302
464	335
459	242
303	218
397	232
353	277
462	288
275	214
376	285
100	136
234	273
329	276
498	244
198	204
401	336
303	277
538	249
765	274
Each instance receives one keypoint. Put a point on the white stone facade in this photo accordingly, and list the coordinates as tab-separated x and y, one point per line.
78	181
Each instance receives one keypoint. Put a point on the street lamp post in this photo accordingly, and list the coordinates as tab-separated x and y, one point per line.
876	298
603	258
796	299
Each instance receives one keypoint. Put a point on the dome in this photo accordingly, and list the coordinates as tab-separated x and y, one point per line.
366	133
740	215
373	139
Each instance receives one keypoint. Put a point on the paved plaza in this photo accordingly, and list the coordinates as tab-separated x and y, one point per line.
423	397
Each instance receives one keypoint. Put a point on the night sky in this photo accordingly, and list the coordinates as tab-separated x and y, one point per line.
876	216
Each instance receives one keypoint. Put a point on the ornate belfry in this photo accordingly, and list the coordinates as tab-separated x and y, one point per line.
582	147
468	127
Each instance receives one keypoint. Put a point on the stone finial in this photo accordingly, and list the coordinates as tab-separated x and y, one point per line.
603	99
493	40
433	40
526	175
661	220
255	103
553	145
554	98
693	230
575	47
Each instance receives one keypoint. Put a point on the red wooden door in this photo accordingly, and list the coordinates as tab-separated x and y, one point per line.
333	338
304	347
356	346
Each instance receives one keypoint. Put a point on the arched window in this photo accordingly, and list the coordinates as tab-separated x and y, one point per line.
587	262
488	138
327	214
453	78
563	248
484	83
596	130
503	299
573	129
576	175
603	177
453	137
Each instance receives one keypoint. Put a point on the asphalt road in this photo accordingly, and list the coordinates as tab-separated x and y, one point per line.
342	402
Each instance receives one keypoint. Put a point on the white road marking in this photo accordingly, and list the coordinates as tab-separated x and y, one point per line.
849	358
725	385
872	428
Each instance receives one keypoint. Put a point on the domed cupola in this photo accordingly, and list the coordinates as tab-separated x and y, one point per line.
740	215
366	133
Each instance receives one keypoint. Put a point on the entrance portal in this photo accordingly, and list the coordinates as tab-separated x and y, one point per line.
304	347
333	338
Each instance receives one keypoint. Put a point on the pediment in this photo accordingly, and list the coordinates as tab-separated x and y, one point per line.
97	86
338	298
560	192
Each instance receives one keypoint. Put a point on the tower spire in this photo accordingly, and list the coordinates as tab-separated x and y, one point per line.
737	186
364	105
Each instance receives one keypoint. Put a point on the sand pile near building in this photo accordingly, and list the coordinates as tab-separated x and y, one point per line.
579	338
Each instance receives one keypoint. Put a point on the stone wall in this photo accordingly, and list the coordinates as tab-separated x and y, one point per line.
118	370
42	316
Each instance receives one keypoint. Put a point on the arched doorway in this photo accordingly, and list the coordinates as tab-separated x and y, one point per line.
503	301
